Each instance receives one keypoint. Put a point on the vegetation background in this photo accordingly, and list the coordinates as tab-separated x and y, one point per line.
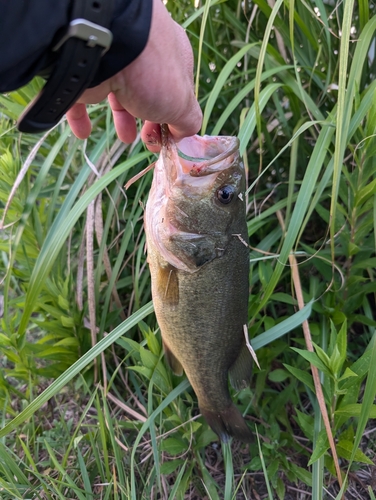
89	409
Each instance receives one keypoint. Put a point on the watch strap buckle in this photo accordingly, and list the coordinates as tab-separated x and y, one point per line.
90	32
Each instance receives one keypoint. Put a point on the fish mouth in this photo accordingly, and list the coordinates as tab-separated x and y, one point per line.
197	156
186	174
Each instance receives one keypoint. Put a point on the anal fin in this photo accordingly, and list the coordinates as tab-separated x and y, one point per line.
241	370
172	360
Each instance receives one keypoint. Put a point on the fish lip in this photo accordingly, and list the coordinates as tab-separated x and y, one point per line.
206	167
178	168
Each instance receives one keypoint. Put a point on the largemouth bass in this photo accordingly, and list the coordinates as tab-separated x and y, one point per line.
199	262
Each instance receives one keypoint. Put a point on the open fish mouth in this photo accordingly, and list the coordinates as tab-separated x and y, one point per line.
197	156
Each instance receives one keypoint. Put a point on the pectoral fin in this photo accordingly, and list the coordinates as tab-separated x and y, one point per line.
194	250
172	361
241	370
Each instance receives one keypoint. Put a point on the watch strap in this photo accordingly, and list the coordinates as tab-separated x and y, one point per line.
80	51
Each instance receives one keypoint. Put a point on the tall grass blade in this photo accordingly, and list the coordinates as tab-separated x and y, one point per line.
318	465
179	477
344	107
205	15
267	482
250	122
283	327
260	64
229	470
220	82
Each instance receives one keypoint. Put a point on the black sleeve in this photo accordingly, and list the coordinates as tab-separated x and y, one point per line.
30	28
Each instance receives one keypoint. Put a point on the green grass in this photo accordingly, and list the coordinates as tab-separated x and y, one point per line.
88	407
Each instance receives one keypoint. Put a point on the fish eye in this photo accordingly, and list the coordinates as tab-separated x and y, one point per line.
225	194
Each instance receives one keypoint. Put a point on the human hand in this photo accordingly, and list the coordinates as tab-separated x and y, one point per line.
156	87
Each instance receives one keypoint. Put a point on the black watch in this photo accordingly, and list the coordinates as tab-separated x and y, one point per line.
79	52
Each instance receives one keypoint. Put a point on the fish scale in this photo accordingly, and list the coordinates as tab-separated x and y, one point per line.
200	270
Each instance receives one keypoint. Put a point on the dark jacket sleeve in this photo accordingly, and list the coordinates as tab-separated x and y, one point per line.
30	28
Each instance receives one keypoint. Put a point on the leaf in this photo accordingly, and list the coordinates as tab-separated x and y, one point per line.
68	342
306	423
148	359
280	489
131	346
247	128
10	107
174	446
345	450
312	358
302	474
303	376
182	482
360	367
335	361
342	342
205	437
255	464
171	466
353	248
322	355
363	194
5	341
273	467
63	303
150	421
348	373
67	321
354	410
210	484
152	342
320	448
194	427
312	171
278	375
143	370
371	493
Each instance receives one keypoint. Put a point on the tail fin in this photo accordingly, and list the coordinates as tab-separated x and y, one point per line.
228	423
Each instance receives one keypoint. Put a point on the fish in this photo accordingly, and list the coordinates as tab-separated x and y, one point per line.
197	251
